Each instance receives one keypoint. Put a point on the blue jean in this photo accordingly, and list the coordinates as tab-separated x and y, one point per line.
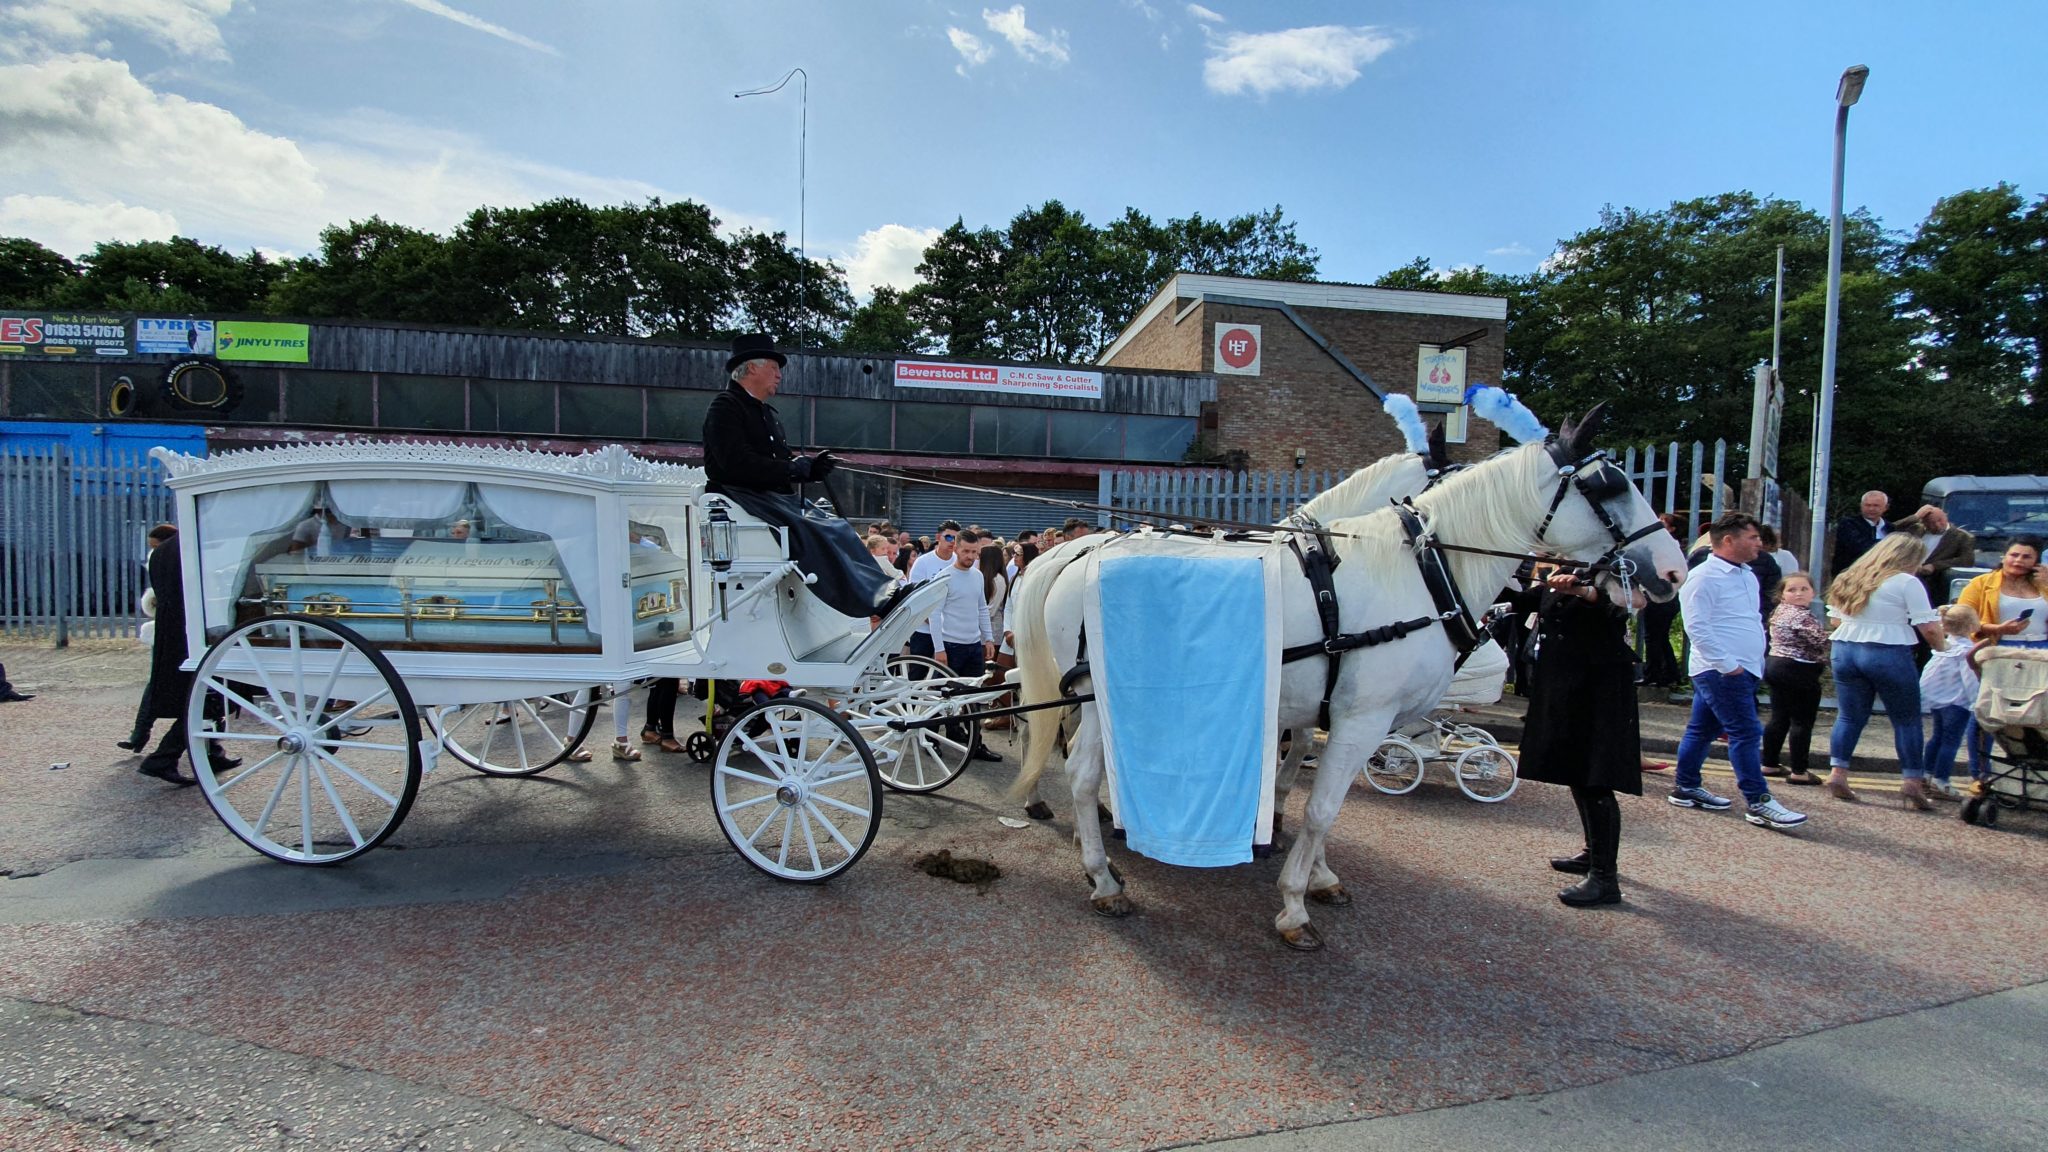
1953	724
1724	703
1867	672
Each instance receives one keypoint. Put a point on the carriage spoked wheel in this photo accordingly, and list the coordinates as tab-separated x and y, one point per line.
919	759
1395	767
796	790
520	737
1486	773
327	736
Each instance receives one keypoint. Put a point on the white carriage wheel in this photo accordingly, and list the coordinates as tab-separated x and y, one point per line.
1395	767
520	737
922	759
320	779
796	790
1486	773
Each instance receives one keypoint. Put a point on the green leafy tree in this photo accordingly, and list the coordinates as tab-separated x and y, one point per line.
957	301
1049	285
30	274
175	275
883	324
684	284
771	297
376	270
1977	268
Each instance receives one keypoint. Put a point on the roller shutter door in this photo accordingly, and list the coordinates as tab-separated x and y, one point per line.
1002	512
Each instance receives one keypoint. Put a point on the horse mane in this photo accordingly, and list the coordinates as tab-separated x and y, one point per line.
1368	488
1489	503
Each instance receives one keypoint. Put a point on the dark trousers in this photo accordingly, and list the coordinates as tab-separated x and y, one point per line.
171	749
1795	701
967	659
1600	816
661	705
1660	663
921	645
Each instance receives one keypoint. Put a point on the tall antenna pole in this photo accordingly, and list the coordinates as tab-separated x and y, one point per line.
803	132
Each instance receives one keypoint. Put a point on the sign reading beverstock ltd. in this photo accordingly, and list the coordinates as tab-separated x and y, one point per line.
1070	382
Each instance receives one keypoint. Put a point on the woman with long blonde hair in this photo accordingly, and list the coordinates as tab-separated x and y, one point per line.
1878	605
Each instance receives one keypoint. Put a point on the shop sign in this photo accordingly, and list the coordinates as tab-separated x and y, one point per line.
1067	382
1238	349
247	340
63	334
174	337
1440	376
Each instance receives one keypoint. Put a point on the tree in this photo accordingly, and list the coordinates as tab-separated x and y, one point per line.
1532	318
30	274
957	300
1049	285
685	286
770	297
883	324
1978	269
175	275
376	270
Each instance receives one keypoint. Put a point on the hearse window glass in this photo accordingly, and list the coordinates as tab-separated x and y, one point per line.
412	564
677	414
658	563
931	428
432	402
1157	437
511	406
328	398
601	410
1087	435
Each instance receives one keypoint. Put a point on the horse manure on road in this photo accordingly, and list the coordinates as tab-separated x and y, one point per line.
959	869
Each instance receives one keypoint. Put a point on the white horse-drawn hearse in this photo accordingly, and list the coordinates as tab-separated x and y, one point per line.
355	610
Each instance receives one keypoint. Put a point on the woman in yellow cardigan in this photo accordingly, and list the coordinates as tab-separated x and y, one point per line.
2009	600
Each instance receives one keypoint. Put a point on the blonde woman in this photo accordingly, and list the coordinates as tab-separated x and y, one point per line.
1878	606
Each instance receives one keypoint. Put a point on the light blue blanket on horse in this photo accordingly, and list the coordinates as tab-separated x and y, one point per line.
1185	681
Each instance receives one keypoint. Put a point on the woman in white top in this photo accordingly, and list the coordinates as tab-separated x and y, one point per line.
1879	606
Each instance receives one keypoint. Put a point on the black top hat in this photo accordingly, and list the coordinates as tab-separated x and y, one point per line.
753	346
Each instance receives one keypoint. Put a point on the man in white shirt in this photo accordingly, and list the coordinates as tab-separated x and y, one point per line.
1718	604
965	631
931	566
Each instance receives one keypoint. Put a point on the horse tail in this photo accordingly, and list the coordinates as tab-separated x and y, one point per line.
1040	681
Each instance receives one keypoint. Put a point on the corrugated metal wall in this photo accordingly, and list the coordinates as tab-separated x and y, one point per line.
923	506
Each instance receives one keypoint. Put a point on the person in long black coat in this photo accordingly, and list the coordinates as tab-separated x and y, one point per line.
1581	731
168	684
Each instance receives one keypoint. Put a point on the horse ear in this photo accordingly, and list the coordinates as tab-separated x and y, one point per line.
1439	455
1578	436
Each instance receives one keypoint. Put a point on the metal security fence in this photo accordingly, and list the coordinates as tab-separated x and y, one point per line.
72	544
1196	494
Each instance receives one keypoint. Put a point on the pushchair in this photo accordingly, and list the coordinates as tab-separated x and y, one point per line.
2012	705
1483	769
726	702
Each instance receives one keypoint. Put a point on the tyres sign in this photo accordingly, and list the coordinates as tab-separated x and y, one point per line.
63	334
246	340
174	337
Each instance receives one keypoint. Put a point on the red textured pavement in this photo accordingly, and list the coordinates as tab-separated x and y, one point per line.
686	1001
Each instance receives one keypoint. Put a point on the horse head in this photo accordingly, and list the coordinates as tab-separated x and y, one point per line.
1597	510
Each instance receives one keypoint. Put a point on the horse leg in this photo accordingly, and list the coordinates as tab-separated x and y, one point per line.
1084	771
1340	763
1283	783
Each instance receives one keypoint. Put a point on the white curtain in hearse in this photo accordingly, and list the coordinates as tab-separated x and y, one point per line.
567	518
396	503
233	525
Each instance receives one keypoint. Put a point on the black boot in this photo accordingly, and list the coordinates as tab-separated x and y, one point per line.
1576	865
1599	887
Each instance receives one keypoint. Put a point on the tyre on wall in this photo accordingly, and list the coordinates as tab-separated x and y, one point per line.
200	384
125	399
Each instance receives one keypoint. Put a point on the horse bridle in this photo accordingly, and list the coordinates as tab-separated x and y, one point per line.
1598	480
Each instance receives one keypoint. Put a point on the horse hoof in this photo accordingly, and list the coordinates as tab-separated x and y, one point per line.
1335	896
1115	907
1038	810
1303	939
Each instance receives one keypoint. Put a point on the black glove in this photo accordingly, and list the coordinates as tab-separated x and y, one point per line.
822	465
800	469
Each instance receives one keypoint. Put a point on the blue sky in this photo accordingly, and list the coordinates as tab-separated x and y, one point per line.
1470	133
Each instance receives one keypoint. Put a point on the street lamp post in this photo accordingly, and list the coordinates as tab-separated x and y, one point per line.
802	138
1846	94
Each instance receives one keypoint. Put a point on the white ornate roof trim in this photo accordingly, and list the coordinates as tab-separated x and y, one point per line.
611	462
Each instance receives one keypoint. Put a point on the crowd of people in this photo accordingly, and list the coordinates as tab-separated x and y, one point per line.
1748	617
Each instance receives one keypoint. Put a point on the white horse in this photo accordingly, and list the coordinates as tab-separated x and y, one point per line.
1401	476
1558	497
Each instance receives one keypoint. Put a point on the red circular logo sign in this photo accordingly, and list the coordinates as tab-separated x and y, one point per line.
1238	348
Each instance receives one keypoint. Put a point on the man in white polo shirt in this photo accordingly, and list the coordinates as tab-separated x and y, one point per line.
1718	604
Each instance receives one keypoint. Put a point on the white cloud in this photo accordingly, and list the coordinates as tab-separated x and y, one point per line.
1205	15
72	228
185	27
973	51
1516	248
1559	259
436	8
1032	46
886	255
1301	59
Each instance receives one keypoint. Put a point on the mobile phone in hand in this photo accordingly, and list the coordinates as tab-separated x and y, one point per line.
2026	614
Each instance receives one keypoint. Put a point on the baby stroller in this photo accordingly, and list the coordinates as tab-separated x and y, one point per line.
2012	705
727	702
1483	769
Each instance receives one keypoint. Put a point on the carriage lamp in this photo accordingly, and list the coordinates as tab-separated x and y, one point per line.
718	538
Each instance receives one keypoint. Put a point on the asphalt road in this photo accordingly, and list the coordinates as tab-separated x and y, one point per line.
580	961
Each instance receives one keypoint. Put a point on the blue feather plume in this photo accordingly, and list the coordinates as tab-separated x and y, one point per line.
1510	415
1409	419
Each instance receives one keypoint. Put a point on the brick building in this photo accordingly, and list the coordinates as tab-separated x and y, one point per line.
1301	381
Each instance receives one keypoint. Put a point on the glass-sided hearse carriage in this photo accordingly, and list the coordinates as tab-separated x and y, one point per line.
355	609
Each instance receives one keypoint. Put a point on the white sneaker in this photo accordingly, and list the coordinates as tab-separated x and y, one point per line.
1768	813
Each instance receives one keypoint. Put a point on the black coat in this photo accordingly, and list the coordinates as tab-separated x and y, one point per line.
168	686
1853	537
744	446
1581	729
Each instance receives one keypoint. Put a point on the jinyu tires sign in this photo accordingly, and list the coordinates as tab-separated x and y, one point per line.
248	340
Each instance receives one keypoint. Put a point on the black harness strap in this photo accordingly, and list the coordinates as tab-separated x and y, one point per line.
1316	564
1459	625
